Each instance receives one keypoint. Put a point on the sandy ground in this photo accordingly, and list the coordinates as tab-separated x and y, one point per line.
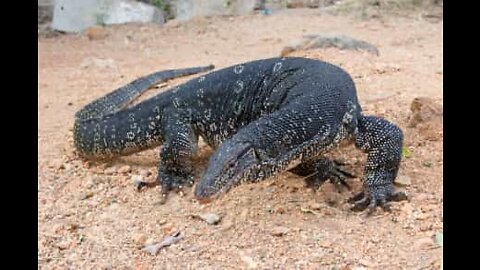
91	217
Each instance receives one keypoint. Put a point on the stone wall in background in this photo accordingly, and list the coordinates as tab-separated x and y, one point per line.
75	15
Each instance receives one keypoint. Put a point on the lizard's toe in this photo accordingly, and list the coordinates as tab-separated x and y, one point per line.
360	203
377	196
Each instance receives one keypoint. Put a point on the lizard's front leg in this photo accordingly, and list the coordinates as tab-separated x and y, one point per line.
175	169
383	142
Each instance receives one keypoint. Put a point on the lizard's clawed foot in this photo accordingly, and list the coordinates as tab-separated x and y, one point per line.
333	173
174	182
168	182
376	196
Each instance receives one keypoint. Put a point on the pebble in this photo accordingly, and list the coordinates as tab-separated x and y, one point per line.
422	216
366	263
86	195
280	210
279	231
149	242
162	222
169	228
210	218
144	173
315	206
109	170
137	178
140	239
249	262
90	182
124	169
63	244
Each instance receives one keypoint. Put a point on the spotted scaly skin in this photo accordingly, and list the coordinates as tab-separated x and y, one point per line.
262	117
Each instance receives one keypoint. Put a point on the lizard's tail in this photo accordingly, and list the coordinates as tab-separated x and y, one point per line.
98	132
121	97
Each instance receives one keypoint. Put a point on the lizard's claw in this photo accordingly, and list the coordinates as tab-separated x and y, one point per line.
376	196
334	174
173	182
141	184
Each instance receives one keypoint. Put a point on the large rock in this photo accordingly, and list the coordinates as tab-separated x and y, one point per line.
75	16
187	9
131	11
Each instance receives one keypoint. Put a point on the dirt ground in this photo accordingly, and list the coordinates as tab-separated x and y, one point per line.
91	217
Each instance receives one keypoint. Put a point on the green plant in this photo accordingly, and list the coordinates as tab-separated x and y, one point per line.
160	4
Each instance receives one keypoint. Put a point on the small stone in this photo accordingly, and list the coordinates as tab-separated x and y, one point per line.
109	170
280	210
149	242
57	228
144	173
403	180
424	109
422	216
162	222
124	169
366	263
86	195
210	218
279	231
169	228
139	239
90	182
63	245
315	206
96	33
137	178
249	262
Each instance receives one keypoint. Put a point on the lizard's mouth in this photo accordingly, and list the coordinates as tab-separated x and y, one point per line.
226	169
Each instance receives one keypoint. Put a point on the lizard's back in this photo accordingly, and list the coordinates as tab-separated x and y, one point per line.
220	103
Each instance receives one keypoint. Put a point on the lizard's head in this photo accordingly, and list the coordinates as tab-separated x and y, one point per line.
228	166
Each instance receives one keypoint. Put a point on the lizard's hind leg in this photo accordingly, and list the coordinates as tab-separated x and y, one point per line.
383	142
320	169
